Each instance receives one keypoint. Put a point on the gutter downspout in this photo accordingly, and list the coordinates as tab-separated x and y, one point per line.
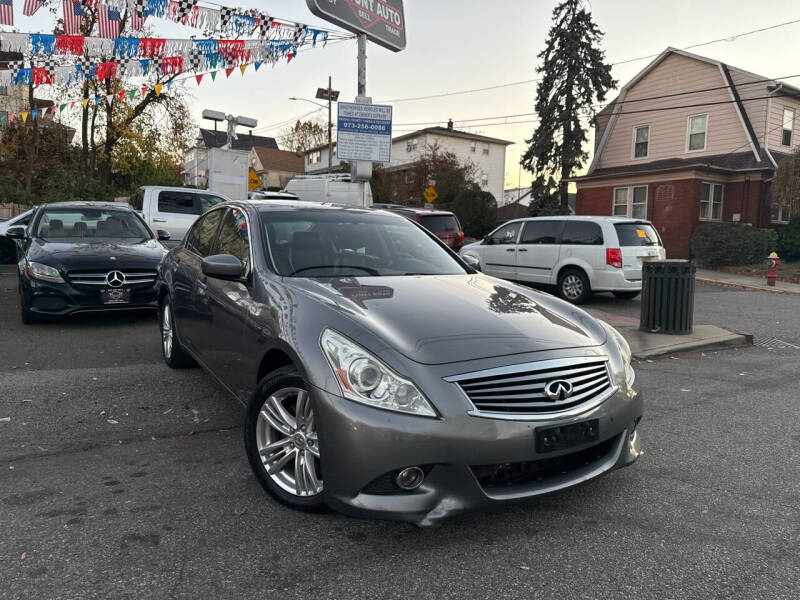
777	89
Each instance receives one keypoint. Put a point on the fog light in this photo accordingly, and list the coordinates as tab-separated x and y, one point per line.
410	478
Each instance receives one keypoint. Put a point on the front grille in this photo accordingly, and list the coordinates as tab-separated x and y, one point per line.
98	278
520	389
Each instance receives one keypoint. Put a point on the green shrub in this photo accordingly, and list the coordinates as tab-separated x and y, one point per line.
476	211
789	240
728	244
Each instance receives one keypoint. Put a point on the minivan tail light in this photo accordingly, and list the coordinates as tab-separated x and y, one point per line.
614	257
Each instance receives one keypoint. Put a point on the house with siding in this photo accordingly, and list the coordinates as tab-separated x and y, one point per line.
691	140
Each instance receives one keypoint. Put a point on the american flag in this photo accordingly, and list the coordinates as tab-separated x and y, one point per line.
136	20
31	6
6	12
108	22
73	16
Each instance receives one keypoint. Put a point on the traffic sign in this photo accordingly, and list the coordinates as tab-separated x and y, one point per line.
430	194
364	132
383	21
253	181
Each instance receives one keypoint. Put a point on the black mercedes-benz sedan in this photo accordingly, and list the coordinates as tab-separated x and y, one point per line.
86	256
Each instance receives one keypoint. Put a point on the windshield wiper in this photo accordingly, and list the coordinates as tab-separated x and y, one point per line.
366	269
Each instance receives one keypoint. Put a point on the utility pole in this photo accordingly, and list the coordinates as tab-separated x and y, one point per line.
331	96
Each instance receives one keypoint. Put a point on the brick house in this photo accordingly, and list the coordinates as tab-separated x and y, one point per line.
690	140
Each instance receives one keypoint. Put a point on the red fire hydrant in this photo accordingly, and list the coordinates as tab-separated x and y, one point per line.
772	271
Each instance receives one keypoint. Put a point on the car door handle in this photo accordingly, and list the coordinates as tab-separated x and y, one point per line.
510	249
159	220
523	249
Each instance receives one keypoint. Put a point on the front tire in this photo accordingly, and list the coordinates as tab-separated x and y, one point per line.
573	286
280	436
174	354
626	295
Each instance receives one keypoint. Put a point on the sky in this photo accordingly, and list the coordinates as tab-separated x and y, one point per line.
455	45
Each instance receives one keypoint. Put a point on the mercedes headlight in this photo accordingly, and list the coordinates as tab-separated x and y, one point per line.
624	351
364	378
43	272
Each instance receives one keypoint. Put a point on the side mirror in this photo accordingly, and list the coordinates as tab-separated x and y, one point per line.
488	240
163	235
222	266
472	261
16	233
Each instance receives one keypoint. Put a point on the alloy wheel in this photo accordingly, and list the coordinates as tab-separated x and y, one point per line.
166	330
572	287
287	442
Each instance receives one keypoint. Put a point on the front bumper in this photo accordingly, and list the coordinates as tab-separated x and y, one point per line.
61	299
363	447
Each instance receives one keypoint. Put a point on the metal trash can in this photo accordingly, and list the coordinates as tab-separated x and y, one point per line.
667	296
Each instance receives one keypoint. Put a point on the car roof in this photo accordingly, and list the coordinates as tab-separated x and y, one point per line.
177	188
88	204
591	218
417	210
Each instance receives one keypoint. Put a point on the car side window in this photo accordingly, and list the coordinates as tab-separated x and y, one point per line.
178	202
234	237
582	233
137	200
506	234
201	237
207	201
541	232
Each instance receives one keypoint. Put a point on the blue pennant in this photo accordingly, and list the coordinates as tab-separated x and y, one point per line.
43	42
157	8
206	46
126	46
145	63
257	64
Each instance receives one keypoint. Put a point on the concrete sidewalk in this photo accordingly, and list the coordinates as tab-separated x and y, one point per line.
645	345
745	282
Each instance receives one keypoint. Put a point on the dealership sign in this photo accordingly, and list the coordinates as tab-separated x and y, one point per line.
364	132
383	21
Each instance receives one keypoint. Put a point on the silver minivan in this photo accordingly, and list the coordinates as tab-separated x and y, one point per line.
579	255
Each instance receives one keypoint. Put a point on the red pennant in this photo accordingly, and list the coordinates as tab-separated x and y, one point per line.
289	57
228	71
144	91
53	109
72	104
121	95
199	78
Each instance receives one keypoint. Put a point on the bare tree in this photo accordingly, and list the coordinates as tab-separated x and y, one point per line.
303	136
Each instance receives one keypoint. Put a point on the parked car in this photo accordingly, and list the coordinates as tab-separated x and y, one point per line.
442	223
173	208
269	195
578	255
86	256
382	375
8	249
334	188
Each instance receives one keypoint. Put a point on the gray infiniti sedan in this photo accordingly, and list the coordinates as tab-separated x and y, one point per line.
383	376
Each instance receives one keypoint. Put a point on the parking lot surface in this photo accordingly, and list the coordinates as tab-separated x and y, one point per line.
121	478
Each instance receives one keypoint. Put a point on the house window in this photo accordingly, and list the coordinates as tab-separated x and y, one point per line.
411	145
473	147
641	141
780	213
315	157
710	201
696	133
631	202
788	125
409	177
486	149
484	181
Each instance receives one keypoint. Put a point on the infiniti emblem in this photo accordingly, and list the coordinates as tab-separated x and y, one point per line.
558	389
115	278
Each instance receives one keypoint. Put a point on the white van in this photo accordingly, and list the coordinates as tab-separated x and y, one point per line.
579	255
336	189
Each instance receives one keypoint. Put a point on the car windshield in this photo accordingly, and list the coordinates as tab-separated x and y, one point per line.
439	223
637	234
332	243
90	224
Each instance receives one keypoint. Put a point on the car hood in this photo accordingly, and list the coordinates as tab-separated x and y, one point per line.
439	319
96	255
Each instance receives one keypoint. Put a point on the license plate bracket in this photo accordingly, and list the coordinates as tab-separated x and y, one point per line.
115	296
552	439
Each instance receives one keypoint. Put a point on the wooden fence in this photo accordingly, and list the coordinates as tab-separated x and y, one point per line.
12	210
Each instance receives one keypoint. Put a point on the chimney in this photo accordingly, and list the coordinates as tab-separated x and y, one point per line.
450	125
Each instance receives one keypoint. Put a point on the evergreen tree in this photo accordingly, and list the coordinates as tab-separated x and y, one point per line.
574	75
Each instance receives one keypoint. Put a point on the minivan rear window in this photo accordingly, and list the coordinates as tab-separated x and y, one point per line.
637	234
440	223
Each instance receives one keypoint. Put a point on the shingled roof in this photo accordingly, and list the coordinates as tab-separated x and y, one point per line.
245	141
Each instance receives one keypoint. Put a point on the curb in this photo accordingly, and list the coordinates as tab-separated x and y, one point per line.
745	287
732	341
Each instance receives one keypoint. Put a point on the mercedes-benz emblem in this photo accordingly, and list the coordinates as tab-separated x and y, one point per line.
558	389
115	278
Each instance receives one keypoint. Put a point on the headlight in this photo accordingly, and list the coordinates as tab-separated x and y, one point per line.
624	350
364	378
43	272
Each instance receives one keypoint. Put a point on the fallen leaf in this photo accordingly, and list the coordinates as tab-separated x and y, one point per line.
112	422
102	412
524	568
24	556
648	360
239	511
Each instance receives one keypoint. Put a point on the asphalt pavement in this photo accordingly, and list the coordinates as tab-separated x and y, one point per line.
120	478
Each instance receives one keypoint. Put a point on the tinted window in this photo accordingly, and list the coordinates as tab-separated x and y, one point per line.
137	200
506	235
582	233
440	223
201	237
637	234
207	201
541	232
178	202
85	224
333	243
234	238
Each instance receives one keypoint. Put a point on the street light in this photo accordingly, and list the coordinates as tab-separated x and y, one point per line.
330	95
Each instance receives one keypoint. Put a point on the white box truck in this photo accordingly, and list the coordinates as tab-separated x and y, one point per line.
228	171
336	189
